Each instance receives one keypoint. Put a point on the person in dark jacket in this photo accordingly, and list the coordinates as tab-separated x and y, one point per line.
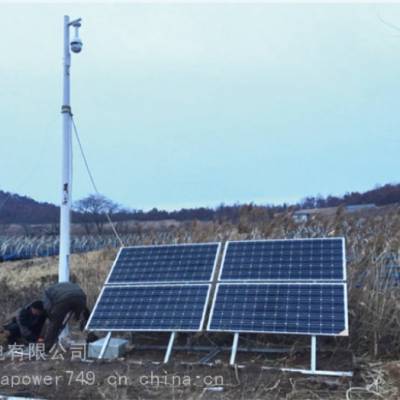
27	323
61	301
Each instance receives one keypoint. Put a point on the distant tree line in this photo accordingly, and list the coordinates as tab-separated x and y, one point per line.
380	196
16	209
91	211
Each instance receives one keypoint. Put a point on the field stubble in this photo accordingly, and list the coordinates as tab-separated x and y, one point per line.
373	347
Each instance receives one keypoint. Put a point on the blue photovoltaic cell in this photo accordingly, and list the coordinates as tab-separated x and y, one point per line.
170	263
313	259
150	308
309	309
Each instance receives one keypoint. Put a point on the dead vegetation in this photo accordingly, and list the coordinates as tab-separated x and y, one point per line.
373	243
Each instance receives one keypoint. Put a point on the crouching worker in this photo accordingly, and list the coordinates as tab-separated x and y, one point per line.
26	324
61	301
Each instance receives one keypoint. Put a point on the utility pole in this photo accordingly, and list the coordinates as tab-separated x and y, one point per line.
65	209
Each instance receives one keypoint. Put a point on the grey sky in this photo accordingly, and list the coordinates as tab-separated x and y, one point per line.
189	105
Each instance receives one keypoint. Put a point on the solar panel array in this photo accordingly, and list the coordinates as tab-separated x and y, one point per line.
157	288
282	286
151	308
317	259
264	286
314	309
165	263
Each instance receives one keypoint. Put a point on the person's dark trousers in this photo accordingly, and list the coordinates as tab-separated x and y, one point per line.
15	333
58	317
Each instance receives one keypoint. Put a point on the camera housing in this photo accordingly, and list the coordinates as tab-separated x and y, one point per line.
76	45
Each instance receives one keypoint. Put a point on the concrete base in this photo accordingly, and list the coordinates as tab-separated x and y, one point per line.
116	348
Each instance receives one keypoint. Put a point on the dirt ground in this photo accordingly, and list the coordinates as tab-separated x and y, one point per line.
141	375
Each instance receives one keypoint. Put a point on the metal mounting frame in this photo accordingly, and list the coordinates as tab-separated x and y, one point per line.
234	348
313	365
169	347
235	344
105	345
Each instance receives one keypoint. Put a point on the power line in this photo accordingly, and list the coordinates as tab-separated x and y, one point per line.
93	181
389	24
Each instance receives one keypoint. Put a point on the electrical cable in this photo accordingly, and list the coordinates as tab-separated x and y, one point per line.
93	181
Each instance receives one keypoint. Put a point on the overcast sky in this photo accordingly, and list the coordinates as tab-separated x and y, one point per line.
189	105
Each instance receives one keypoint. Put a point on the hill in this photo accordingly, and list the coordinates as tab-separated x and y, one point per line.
380	196
18	209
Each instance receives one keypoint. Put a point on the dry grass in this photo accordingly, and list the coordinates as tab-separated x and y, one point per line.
22	281
372	240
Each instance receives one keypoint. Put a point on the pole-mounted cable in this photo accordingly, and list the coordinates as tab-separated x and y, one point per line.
93	181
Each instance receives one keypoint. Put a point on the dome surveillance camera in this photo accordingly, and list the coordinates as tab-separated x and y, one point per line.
76	45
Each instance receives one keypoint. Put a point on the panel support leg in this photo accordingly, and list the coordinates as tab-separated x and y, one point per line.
234	349
313	353
169	348
105	345
65	328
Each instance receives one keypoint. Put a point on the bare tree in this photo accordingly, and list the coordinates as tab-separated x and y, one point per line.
93	210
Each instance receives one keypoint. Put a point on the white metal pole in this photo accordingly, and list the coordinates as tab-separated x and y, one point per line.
169	348
105	345
313	353
234	348
65	213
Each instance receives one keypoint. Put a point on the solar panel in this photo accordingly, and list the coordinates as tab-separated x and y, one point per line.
295	308
284	260
165	263
150	308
